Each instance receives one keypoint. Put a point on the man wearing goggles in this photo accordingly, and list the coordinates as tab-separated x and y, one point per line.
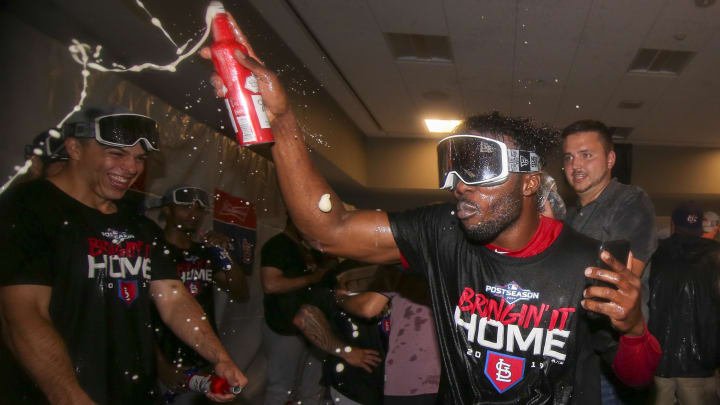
202	267
497	270
82	270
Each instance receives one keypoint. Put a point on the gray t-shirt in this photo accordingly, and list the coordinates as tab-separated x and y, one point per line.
621	212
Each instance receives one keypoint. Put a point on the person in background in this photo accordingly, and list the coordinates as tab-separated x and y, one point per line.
550	203
289	268
202	267
412	363
607	210
685	311
710	225
82	271
48	155
355	346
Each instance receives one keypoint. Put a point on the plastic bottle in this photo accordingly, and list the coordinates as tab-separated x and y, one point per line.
242	95
210	383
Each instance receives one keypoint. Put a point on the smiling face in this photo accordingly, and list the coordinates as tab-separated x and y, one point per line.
587	164
485	212
108	172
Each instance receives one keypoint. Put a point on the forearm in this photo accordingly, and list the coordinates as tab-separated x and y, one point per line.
234	282
184	316
367	304
41	351
313	324
637	358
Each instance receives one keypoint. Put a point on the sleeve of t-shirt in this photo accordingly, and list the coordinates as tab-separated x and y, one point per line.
24	245
274	253
635	222
637	358
412	230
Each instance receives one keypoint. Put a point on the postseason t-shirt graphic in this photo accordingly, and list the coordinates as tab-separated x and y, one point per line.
118	261
510	329
497	320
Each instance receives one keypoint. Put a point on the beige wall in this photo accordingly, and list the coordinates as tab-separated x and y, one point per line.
676	170
401	163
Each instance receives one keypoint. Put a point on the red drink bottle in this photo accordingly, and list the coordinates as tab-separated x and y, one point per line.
210	383
242	95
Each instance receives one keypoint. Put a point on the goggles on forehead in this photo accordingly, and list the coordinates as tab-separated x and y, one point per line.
187	196
118	130
481	161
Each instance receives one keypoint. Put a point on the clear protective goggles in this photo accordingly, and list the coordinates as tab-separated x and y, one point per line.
118	130
187	196
480	161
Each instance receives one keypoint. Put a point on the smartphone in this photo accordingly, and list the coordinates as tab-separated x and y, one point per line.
620	249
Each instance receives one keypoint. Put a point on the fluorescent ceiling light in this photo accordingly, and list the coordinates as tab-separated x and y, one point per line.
443	126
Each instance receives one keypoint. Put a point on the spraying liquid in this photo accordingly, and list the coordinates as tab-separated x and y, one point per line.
81	53
242	94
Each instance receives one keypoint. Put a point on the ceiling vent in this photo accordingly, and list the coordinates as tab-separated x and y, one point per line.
419	48
630	104
620	133
660	61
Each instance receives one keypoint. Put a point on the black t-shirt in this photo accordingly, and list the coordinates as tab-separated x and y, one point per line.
283	253
510	330
195	267
353	382
99	267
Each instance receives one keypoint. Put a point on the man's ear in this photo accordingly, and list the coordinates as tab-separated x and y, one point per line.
611	159
73	147
531	183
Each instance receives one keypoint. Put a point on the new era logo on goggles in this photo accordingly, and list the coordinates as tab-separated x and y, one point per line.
119	130
477	160
188	196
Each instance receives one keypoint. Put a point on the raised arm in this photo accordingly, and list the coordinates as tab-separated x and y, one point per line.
367	304
314	326
181	312
36	344
361	235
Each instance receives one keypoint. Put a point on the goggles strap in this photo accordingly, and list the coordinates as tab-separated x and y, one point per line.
521	161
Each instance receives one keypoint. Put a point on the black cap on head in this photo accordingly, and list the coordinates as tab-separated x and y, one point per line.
687	218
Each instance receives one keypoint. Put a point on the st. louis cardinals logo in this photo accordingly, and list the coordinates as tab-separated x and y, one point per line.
503	371
127	290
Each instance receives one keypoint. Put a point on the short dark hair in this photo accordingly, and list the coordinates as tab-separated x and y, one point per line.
590	126
527	135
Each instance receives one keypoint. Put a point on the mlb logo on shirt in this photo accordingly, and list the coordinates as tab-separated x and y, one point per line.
127	290
504	371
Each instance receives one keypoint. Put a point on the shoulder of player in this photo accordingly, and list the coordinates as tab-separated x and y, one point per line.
627	194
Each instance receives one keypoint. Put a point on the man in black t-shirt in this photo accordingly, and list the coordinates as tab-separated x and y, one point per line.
510	291
81	270
289	268
201	267
355	346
